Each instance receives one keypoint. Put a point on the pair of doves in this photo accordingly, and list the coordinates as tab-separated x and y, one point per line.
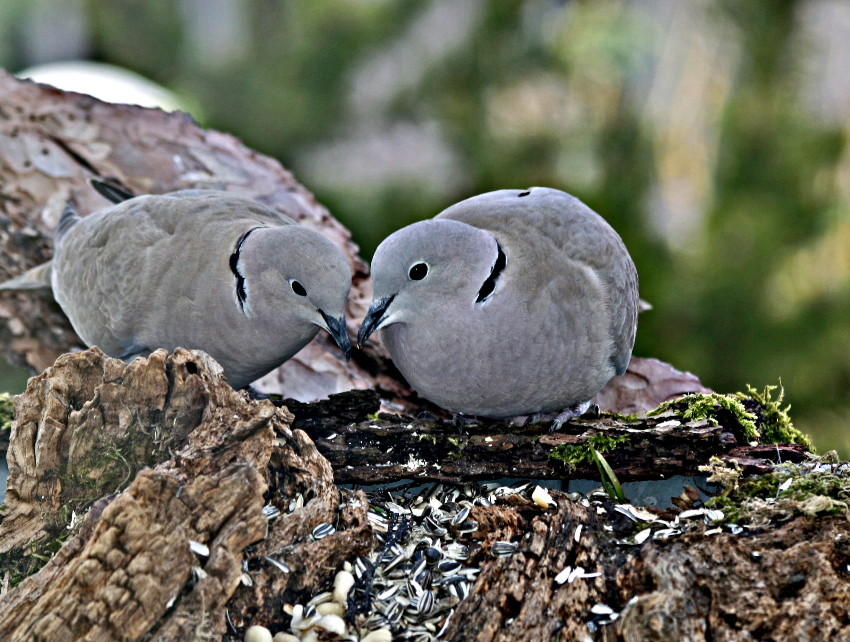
513	302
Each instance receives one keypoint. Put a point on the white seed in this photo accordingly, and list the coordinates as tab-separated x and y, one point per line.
332	623
636	514
601	609
577	534
321	598
561	577
199	548
258	634
331	608
378	635
542	498
577	572
342	585
297	616
713	515
642	536
285	637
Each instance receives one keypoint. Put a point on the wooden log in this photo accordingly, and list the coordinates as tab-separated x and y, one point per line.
366	447
78	447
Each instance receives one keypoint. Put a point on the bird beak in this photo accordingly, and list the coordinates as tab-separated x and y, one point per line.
374	318
339	333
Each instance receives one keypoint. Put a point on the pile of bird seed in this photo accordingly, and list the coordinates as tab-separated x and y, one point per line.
408	590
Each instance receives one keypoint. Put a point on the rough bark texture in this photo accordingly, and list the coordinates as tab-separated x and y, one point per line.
198	461
91	427
115	469
788	583
86	429
365	447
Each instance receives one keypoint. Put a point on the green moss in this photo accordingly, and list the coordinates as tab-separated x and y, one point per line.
106	467
774	421
591	452
572	455
760	417
432	439
623	419
18	564
7	410
812	489
458	443
697	406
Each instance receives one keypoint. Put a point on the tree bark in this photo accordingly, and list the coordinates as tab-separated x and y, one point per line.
367	448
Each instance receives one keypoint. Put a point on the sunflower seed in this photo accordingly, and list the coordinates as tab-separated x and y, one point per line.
271	511
322	531
503	549
284	568
461	516
425	602
448	566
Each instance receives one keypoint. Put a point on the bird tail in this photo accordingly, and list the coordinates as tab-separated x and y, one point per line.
37	278
68	220
111	191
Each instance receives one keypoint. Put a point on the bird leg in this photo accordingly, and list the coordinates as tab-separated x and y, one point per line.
461	421
577	410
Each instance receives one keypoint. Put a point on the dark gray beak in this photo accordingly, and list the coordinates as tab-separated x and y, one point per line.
339	333
373	319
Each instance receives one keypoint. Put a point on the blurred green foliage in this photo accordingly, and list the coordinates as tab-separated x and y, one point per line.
713	136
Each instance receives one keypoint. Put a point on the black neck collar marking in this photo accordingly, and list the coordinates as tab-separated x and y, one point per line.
490	283
241	296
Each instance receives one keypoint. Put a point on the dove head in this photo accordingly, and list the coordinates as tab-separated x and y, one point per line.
293	277
422	270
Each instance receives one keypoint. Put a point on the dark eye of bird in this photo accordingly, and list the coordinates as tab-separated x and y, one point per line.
418	271
298	289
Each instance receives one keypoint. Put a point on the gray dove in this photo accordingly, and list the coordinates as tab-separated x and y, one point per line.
196	269
513	302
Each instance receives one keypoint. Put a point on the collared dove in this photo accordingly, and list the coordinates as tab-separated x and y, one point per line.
197	269
509	303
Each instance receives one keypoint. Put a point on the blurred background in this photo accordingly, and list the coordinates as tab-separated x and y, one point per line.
713	135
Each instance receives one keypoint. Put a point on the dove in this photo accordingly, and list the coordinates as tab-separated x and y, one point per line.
200	269
514	302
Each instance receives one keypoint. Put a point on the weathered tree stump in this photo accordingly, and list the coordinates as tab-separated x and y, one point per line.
151	501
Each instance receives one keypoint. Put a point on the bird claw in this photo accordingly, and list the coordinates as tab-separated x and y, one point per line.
578	410
461	421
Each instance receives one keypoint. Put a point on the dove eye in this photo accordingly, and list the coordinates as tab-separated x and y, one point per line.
418	271
298	288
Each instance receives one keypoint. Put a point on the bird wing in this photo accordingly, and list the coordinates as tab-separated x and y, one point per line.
131	275
553	229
